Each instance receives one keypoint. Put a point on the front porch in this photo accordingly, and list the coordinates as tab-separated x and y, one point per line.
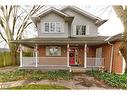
38	61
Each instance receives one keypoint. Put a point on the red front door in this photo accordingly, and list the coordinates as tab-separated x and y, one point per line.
72	56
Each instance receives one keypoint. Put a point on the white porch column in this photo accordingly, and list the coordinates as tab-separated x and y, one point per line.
36	55
85	55
21	59
68	55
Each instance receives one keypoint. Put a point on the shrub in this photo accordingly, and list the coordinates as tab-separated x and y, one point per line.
62	74
114	80
34	75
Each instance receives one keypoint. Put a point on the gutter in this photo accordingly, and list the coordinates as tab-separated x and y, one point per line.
111	59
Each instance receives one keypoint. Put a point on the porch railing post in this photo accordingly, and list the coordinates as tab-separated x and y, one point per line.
85	55
68	55
36	55
21	56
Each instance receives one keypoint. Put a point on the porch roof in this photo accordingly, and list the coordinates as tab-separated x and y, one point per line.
60	41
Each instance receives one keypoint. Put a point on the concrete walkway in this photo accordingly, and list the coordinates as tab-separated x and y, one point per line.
80	82
8	68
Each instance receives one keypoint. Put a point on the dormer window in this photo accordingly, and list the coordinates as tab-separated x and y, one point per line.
52	27
80	29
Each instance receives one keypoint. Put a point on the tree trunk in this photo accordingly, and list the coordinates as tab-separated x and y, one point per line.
123	47
14	58
14	55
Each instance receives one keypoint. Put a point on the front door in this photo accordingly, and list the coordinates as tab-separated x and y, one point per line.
73	56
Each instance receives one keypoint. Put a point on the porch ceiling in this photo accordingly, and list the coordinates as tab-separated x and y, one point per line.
62	41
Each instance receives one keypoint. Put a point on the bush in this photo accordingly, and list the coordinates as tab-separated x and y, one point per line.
114	80
63	74
34	75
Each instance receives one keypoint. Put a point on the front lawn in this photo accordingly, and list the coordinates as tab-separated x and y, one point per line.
38	87
119	81
34	75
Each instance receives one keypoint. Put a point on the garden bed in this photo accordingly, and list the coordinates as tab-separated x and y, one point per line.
34	75
114	80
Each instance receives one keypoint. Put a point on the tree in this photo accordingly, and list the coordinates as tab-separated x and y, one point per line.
14	20
121	12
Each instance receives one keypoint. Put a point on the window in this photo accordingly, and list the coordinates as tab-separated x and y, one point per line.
53	51
46	27
52	27
57	27
81	30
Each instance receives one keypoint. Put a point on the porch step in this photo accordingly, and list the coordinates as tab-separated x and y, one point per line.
78	70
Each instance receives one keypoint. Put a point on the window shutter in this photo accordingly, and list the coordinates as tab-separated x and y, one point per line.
87	30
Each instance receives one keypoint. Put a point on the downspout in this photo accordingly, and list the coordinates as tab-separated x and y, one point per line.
111	59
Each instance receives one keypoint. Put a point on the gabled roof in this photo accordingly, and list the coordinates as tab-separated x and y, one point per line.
98	20
117	37
51	9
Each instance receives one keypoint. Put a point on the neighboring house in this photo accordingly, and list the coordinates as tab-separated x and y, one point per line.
4	50
68	38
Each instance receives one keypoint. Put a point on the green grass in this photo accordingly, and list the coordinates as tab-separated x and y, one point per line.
119	81
34	75
38	87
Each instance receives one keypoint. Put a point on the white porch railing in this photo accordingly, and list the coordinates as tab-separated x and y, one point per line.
44	61
94	62
28	61
59	62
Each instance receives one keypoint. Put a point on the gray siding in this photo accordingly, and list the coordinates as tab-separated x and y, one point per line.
52	17
82	20
66	28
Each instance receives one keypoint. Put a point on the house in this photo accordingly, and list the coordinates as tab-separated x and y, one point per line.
4	50
67	39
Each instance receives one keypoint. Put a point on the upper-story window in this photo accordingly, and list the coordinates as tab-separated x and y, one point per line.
80	29
52	27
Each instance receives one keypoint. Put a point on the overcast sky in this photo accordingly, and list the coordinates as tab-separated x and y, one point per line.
112	26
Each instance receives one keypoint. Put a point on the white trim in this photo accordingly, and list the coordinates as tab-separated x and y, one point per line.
47	51
85	55
86	30
83	12
36	54
123	66
68	55
52	9
21	56
50	27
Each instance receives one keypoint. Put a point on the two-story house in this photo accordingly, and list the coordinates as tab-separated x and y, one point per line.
67	38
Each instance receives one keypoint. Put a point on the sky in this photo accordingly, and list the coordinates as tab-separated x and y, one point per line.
113	26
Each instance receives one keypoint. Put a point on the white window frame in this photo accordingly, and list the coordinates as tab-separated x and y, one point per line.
47	50
55	27
80	34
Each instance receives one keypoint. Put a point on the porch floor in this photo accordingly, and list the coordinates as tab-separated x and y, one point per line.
45	68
